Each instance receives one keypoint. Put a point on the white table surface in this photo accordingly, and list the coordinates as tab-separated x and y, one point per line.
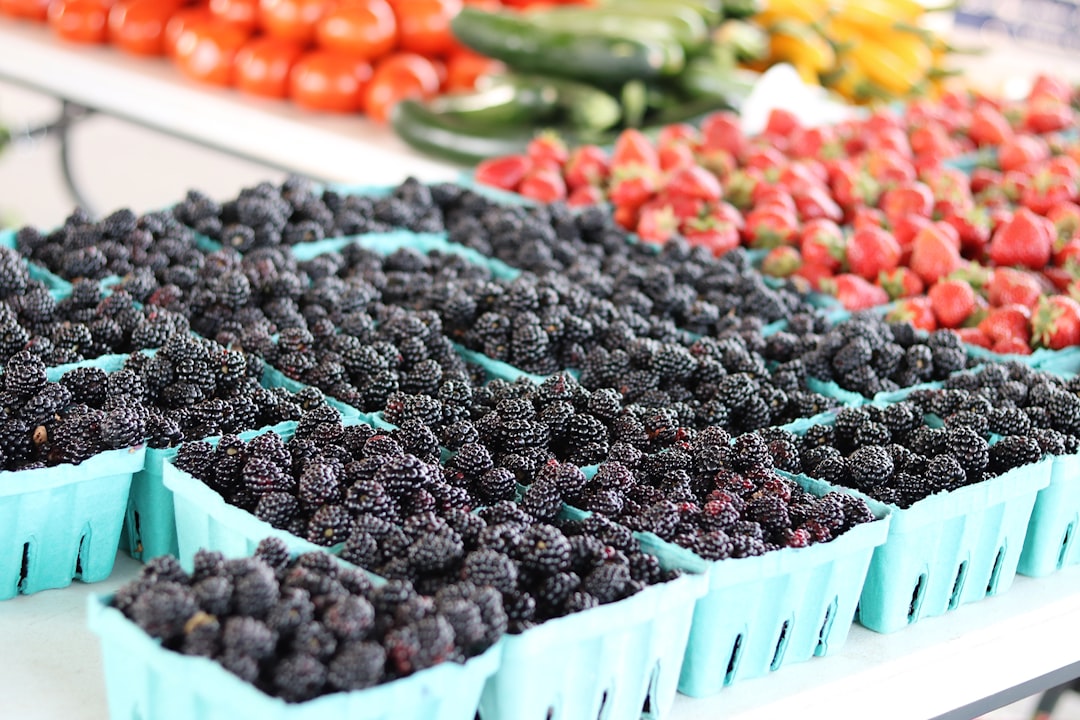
50	664
153	93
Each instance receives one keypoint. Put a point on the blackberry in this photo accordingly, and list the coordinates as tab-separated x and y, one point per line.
24	375
489	567
1014	451
544	549
608	582
330	525
356	666
163	610
299	677
320	484
255	588
434	552
278	509
542	500
870	466
247	636
1050	441
971	449
945	473
750	451
496	484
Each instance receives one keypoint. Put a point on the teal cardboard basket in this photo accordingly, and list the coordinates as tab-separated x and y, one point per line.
495	369
148	682
58	286
1051	542
63	522
150	521
949	549
1061	361
272	378
108	363
784	607
607	662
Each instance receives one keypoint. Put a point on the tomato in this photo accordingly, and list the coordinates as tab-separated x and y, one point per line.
329	81
263	66
81	21
206	51
399	76
464	68
292	19
180	20
366	29
424	25
244	13
138	26
27	9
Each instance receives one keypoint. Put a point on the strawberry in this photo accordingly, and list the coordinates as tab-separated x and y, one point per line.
722	131
910	198
1021	151
889	167
631	187
632	148
916	310
822	242
626	216
765	158
952	301
906	228
1066	219
853	292
685	208
1046	114
1056	322
935	252
678	134
1007	321
989	126
586	165
1011	346
1049	86
973	227
869	217
781	124
585	195
1009	286
656	223
1047	190
547	149
770	226
505	173
718	235
781	261
1026	240
901	283
740	186
727	211
676	156
1067	255
544	185
814	273
694	182
871	251
983	177
974	336
815	202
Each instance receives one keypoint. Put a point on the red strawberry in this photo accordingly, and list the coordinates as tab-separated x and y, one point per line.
781	261
585	195
814	273
982	178
656	223
1056	322
547	149
935	252
1026	240
906	228
953	301
1049	86
871	251
678	134
781	124
694	182
675	156
989	126
815	202
1047	190
911	198
766	158
631	187
587	165
716	234
626	216
1007	321
869	217
1011	346
1066	219
916	310
822	242
1020	151
974	336
901	283
633	148
853	292
684	207
722	131
770	226
1045	114
1009	286
505	173
544	185
973	227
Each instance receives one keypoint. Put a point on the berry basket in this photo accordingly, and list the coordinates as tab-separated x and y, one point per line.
776	609
273	378
146	681
618	662
63	522
1051	542
948	549
150	521
205	520
495	369
59	287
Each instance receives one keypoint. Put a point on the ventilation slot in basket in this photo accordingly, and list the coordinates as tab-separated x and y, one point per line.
781	646
1065	541
826	628
24	569
603	707
647	706
958	586
916	599
995	574
733	662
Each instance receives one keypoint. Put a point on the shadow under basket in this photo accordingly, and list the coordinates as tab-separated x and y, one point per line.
145	681
784	607
63	523
615	662
1051	542
950	549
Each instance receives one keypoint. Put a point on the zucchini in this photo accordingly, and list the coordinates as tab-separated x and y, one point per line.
631	19
711	11
704	79
574	53
452	139
506	100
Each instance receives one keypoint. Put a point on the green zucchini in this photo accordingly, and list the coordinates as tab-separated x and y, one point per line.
574	53
505	100
711	11
452	139
631	19
705	79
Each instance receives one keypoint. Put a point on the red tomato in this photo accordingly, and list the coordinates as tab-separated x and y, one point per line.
399	76
292	19
206	51
263	66
464	68
424	25
138	26
366	29
180	20
329	81
81	21
27	9
244	13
